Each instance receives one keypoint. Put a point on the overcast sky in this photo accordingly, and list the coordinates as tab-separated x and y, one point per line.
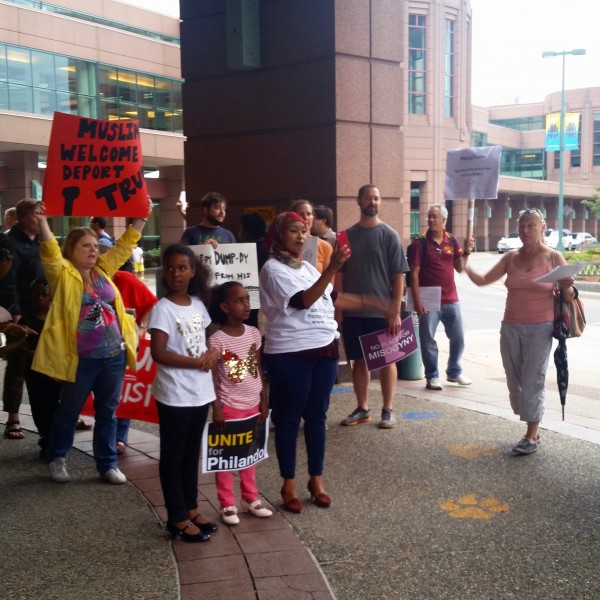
509	37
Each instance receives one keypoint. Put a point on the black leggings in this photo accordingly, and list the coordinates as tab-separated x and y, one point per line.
180	439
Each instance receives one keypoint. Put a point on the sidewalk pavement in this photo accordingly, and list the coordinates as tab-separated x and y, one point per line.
437	508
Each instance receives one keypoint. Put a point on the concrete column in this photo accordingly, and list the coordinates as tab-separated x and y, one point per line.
21	170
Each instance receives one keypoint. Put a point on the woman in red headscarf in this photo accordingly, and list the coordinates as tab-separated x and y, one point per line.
300	349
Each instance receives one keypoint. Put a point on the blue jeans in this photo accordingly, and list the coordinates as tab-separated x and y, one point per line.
104	377
123	426
451	317
299	389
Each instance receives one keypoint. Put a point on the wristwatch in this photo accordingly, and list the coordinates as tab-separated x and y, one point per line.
144	325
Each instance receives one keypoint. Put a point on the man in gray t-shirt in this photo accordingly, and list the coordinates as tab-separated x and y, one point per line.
376	268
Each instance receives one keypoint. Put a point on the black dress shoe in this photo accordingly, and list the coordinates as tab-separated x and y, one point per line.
175	532
209	527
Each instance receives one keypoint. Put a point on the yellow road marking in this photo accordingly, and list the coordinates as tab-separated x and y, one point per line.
468	507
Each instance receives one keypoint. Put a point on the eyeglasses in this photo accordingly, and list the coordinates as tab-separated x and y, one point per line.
532	211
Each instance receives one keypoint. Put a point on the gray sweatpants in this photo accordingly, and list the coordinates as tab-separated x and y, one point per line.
525	350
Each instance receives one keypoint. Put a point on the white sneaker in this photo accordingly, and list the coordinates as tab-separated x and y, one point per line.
434	384
114	476
58	470
256	508
461	380
229	515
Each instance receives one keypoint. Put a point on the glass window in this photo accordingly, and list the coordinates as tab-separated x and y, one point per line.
42	68
596	144
478	139
87	107
67	103
41	83
575	158
84	73
128	110
19	65
108	110
4	105
20	98
164	97
160	120
107	84
146	92
44	101
177	121
127	86
3	65
416	64
522	163
449	70
521	123
66	73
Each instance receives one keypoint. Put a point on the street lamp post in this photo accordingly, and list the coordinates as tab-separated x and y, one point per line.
561	172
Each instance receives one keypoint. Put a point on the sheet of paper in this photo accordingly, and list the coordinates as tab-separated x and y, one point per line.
430	296
562	272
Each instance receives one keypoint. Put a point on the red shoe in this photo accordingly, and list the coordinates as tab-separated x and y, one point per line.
293	505
323	500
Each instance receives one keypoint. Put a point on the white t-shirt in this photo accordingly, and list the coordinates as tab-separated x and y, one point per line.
137	255
290	329
186	328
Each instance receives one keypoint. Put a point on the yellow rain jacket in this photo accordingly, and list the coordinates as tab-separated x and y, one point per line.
56	354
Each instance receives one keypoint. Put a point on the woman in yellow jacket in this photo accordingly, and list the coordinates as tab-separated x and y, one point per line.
87	340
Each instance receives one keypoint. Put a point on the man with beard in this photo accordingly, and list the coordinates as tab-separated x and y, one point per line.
214	208
377	268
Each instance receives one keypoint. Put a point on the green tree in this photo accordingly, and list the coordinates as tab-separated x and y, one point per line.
594	205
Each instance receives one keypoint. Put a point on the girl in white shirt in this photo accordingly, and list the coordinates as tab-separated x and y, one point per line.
183	388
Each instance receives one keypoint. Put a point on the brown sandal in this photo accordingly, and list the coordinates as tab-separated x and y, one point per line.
13	433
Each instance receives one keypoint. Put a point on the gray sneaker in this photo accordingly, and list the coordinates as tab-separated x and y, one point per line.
525	447
358	415
58	470
388	421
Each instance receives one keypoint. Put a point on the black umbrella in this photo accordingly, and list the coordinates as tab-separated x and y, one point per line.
561	331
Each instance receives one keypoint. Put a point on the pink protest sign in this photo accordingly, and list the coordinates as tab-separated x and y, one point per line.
381	349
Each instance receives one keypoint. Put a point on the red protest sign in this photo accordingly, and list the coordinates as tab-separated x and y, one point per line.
137	401
94	168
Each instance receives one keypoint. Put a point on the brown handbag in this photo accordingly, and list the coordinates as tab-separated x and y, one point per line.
569	316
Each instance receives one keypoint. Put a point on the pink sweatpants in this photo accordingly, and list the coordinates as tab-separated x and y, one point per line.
224	479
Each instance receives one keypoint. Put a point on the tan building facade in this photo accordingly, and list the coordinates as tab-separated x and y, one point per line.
111	61
347	91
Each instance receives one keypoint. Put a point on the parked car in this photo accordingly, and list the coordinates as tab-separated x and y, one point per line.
511	242
582	239
552	238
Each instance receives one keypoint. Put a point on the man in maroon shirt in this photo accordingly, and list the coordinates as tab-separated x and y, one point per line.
433	260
